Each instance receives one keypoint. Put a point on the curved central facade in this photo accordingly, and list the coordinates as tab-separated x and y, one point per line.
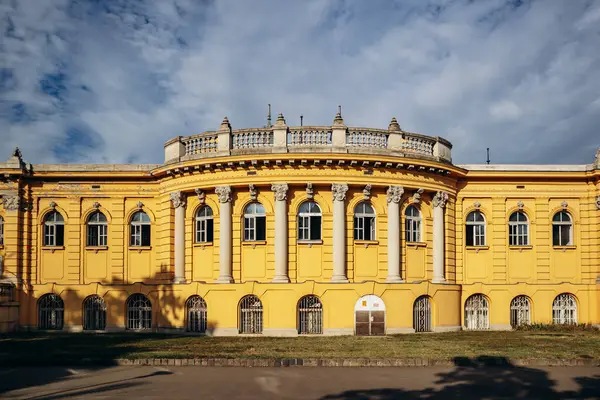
301	230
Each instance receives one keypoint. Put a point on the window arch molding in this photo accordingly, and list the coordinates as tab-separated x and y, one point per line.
378	206
192	212
320	200
47	210
89	211
240	206
131	212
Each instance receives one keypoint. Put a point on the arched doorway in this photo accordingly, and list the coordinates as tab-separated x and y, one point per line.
369	316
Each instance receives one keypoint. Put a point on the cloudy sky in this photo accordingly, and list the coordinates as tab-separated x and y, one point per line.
110	81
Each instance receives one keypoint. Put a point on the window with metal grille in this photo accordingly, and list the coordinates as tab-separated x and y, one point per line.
422	314
564	309
97	229
51	312
475	229
413	224
310	315
255	223
140	230
477	313
309	221
196	314
1	230
139	312
204	225
562	229
520	313
518	229
251	315
94	314
54	229
7	292
364	222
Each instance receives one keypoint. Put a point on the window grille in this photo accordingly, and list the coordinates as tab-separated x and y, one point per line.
204	225
251	315
94	314
1	230
477	313
562	229
196	314
518	228
564	309
255	223
140	229
309	221
364	222
413	224
310	315
475	229
54	229
7	292
422	314
97	230
520	312
51	311
139	312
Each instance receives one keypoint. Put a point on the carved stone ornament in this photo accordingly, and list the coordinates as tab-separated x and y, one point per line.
178	199
52	205
310	193
394	194
598	202
201	196
96	205
564	205
440	199
339	191
520	204
416	198
253	192
280	190
598	158
224	193
477	205
367	192
17	153
140	205
11	203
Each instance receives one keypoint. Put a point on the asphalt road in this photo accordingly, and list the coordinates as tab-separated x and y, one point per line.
300	383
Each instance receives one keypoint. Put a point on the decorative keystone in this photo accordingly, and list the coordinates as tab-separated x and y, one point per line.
253	192
367	192
564	205
416	198
520	204
201	195
310	193
394	125
225	125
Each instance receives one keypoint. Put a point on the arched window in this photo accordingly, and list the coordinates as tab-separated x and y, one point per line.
520	311
54	229
97	229
251	315
255	223
139	312
1	230
518	229
204	225
94	314
475	229
309	221
140	229
413	224
562	229
310	315
196	314
51	312
477	313
364	222
564	309
422	314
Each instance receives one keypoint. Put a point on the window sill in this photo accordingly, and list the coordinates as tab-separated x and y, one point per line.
96	249
476	249
309	243
203	244
254	243
520	248
416	244
52	248
139	249
366	243
564	248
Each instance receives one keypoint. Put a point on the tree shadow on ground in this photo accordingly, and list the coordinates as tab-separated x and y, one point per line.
483	377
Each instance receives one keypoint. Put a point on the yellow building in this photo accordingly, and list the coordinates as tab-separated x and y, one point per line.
299	230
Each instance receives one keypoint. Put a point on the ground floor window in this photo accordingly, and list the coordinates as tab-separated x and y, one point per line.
369	316
310	315
250	315
196	314
51	312
477	313
520	313
139	312
94	314
422	314
564	309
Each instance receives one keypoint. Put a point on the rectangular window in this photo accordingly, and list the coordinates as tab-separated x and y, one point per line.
303	228
561	235
92	235
315	228
261	228
102	235
478	235
249	229
518	235
201	231
359	228
145	235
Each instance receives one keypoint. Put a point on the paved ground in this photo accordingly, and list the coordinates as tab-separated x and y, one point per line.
462	382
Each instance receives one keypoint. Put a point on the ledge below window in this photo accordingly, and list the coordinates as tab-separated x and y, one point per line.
366	243
203	244
564	248
254	243
309	243
139	249
416	244
476	249
520	248
96	249
52	248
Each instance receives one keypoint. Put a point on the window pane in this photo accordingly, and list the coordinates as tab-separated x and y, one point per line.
565	237
145	235
209	230
92	236
60	235
470	230
555	235
261	228
315	228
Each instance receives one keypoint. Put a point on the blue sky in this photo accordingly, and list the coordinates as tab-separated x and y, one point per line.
111	81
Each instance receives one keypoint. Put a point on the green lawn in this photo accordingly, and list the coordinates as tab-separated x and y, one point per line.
51	348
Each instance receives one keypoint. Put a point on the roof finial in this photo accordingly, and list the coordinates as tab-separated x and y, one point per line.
17	153
269	117
225	125
338	120
394	125
280	120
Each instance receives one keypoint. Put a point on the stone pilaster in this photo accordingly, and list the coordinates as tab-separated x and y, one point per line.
179	203
339	232
439	204
281	233
225	241
394	195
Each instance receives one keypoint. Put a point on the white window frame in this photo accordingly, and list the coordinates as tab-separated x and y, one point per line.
518	231
136	230
101	226
561	224
477	313
413	225
51	221
361	215
306	219
204	215
478	227
252	212
564	309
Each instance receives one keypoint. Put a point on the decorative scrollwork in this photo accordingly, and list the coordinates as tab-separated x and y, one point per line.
224	193
440	199
178	199
339	191
280	190
394	194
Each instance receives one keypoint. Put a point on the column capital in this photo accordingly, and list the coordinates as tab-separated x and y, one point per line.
394	194
224	193
280	190
440	199
178	199
339	191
